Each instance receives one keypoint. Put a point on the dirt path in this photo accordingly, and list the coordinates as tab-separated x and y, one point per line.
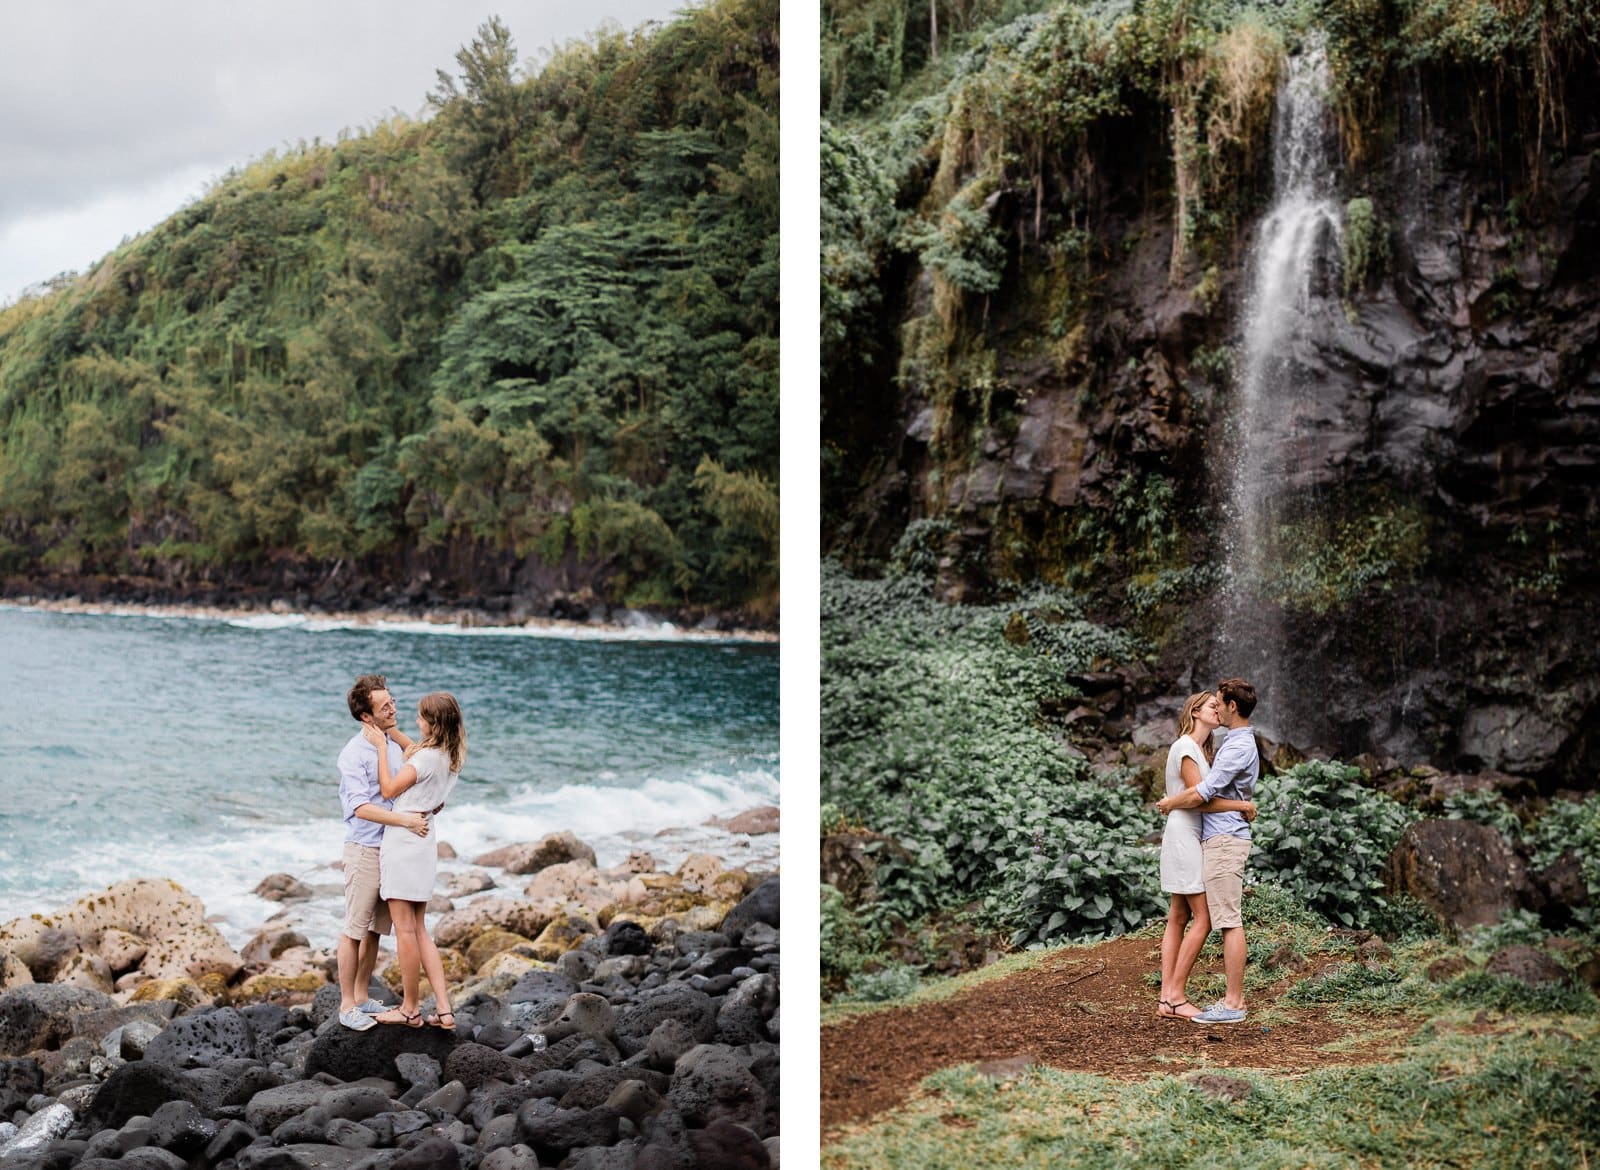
1085	1010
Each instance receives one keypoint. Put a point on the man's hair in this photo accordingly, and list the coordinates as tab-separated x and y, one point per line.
1239	693
360	696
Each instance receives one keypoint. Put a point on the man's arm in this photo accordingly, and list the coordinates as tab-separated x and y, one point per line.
1191	798
415	821
1231	762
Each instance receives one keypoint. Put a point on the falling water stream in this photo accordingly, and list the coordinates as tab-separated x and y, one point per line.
1265	451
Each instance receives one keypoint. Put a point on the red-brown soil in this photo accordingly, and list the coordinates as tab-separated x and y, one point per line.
1084	1010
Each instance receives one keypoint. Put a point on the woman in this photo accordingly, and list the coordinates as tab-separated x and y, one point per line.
1188	762
407	863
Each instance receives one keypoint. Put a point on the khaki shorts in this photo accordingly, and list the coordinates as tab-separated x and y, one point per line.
363	909
1222	869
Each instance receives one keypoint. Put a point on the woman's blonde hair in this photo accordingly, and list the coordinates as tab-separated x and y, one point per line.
1186	721
446	730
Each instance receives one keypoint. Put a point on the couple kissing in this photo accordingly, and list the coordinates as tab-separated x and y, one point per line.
1205	845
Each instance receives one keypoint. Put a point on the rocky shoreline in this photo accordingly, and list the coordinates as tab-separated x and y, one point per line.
619	622
606	1018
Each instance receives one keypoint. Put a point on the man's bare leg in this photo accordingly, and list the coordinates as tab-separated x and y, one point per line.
367	964
349	964
1233	958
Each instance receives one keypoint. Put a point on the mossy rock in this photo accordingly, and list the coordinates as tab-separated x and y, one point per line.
184	992
281	988
731	885
490	943
706	917
456	970
658	904
513	962
563	933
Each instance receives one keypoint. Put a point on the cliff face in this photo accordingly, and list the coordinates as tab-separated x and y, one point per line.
1435	581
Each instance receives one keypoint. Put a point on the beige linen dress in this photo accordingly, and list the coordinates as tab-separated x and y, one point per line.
407	863
1180	840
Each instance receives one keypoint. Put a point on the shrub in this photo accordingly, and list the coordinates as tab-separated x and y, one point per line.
1486	807
932	732
843	941
1516	927
896	981
1324	837
1575	826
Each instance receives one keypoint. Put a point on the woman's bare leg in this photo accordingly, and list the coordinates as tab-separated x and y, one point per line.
432	964
407	953
1171	940
1189	951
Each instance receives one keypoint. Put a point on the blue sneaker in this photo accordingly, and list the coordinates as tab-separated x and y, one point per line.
1217	1014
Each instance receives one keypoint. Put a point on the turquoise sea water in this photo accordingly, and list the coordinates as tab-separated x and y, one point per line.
203	749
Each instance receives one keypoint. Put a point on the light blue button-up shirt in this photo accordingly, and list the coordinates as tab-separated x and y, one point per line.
1233	777
358	785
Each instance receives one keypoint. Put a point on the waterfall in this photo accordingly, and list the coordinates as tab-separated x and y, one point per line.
1290	268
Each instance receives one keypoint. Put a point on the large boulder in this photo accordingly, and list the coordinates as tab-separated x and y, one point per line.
40	1015
514	915
204	1039
710	1084
492	942
271	1107
352	1055
1463	871
552	1130
753	822
761	905
545	990
169	920
283	887
272	942
724	1144
101	1022
577	881
474	1064
551	849
138	1089
673	1001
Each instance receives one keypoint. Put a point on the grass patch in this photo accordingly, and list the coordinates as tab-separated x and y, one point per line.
934	990
1524	1099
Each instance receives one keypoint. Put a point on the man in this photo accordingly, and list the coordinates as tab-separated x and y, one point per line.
366	812
1225	839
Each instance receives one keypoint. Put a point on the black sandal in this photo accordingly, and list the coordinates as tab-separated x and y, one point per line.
404	1021
438	1021
1171	1009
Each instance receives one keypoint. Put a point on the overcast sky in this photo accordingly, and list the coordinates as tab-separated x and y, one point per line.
117	113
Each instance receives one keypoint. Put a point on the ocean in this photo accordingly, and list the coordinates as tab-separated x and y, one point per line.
202	748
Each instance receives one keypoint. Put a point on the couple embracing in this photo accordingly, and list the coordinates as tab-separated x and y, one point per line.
1206	843
390	788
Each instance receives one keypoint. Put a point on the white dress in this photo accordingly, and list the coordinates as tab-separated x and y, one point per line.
1180	841
407	863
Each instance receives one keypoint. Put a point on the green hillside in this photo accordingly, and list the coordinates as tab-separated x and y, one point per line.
536	329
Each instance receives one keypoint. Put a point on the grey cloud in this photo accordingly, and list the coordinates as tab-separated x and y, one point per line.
105	95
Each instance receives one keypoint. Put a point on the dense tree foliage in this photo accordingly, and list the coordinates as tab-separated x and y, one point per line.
540	323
